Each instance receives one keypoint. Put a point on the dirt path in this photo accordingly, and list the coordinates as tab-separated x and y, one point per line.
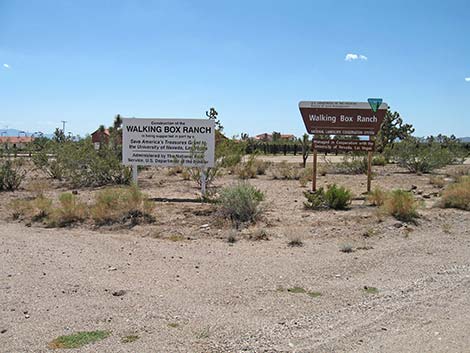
222	298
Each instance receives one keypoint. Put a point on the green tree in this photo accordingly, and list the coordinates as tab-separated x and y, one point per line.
213	115
59	135
392	129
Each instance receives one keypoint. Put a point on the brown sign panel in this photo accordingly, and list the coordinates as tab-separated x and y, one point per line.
344	145
342	118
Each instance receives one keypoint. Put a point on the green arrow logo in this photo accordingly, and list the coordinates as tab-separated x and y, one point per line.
375	103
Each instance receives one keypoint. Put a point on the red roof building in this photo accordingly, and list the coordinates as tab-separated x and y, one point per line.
15	141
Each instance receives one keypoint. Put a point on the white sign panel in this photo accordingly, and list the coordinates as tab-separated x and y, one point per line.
340	105
168	142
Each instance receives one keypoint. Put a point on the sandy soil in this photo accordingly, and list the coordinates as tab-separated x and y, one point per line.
202	294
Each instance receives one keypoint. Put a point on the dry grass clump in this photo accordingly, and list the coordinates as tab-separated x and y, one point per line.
121	205
457	195
35	210
251	168
285	171
402	205
115	205
437	180
70	210
377	197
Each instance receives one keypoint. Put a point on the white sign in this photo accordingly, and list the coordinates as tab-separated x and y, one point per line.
340	105
168	142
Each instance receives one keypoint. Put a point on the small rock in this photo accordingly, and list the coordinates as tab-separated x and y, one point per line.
398	225
413	187
75	192
119	293
112	268
4	330
27	316
204	226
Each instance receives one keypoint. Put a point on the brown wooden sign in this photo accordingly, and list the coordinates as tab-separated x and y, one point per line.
342	118
344	145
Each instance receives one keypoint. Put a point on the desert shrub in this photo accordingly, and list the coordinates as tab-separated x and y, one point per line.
240	203
12	175
422	157
457	195
211	173
70	210
51	166
338	198
377	197
79	164
121	205
351	165
402	205
346	248
315	199
229	153
379	160
285	171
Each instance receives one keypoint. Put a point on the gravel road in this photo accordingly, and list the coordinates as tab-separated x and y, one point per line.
204	295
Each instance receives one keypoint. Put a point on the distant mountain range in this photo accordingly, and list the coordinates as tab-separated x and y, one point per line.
16	132
465	139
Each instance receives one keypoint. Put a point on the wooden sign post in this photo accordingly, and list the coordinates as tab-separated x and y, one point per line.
343	118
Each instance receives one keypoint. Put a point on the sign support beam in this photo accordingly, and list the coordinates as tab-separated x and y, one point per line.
369	170
314	176
135	175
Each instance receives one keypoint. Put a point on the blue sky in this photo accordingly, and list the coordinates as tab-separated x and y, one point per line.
85	61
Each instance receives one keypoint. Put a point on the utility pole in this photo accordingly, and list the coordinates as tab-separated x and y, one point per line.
63	126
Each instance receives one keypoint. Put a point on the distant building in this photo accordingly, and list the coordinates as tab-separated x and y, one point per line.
264	137
269	137
289	137
100	137
19	142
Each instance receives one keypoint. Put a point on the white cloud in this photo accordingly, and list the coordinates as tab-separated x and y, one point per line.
467	79
6	66
351	57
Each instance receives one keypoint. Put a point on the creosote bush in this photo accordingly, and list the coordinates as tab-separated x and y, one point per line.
351	165
457	195
80	165
335	197
240	203
402	205
422	157
379	160
11	175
